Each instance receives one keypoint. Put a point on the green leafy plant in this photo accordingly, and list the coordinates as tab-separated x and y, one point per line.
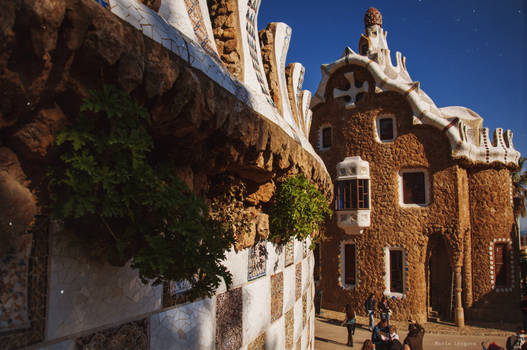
299	208
123	203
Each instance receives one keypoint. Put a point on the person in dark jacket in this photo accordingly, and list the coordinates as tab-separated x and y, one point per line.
370	305
414	339
380	335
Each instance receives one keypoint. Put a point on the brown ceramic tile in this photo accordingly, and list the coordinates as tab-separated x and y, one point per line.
298	280
258	343
229	320
277	296
289	328
132	335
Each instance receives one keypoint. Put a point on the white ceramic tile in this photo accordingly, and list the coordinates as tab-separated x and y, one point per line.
84	295
256	308
189	326
65	345
275	335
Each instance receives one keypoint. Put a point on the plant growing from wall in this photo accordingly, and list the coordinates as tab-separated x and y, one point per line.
298	210
122	203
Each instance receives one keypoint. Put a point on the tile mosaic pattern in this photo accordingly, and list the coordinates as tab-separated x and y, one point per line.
174	292
289	252
155	27
277	296
198	25
13	285
257	260
258	343
289	328
298	280
188	326
132	335
254	43
36	290
229	307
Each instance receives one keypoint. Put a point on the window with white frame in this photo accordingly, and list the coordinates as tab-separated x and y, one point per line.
414	187
348	264
502	266
325	137
386	128
352	194
394	273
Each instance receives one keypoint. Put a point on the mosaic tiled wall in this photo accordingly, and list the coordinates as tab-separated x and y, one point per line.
23	289
14	313
257	260
289	252
198	25
187	326
132	335
258	343
298	281
277	296
229	320
289	328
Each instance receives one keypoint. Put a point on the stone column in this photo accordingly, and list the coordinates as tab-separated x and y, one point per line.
460	316
467	271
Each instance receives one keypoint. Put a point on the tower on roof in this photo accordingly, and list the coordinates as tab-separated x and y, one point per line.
372	17
373	44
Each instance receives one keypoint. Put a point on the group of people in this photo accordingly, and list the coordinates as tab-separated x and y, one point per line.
517	341
384	336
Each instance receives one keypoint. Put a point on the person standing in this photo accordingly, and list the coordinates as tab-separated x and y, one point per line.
370	305
515	342
384	307
349	322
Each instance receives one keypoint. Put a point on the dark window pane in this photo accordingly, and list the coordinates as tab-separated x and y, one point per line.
414	188
396	271
326	137
352	194
349	256
501	265
386	128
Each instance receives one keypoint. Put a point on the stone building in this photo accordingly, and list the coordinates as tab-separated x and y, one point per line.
221	101
423	204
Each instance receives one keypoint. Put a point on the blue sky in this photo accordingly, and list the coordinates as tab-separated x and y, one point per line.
469	53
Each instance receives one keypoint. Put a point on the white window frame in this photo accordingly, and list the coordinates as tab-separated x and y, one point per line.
342	265
508	242
427	188
378	127
320	137
387	271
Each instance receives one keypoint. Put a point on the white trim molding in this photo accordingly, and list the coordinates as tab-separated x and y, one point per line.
387	273
492	244
378	127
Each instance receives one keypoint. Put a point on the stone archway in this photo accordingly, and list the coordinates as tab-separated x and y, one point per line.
439	279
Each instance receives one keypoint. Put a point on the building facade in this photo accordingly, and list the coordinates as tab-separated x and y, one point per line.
222	104
423	201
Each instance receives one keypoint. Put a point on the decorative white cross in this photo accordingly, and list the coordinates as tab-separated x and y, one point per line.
351	92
